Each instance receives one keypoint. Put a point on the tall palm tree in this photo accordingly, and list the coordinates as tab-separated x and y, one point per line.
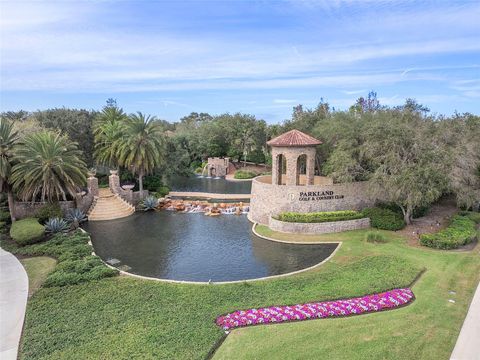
8	141
108	128
140	149
48	165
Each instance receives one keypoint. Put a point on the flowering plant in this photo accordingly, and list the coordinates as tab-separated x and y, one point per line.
355	306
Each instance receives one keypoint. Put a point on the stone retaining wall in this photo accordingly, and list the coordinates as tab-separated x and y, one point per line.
270	200
319	228
29	209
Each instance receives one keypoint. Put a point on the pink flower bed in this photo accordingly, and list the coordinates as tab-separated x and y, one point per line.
317	310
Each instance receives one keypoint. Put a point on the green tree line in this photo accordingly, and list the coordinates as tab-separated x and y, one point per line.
411	157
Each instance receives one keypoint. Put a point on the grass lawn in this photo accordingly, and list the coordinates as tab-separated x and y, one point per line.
426	329
37	269
125	318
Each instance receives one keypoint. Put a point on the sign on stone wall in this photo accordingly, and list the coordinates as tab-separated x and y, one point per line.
319	195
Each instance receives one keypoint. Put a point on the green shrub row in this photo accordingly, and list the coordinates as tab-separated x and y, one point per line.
27	231
385	219
462	230
244	174
319	217
76	264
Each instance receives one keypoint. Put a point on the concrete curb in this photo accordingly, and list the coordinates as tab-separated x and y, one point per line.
13	303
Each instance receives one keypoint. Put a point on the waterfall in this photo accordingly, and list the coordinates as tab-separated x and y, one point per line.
204	168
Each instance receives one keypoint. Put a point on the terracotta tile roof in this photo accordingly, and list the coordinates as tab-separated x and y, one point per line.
294	138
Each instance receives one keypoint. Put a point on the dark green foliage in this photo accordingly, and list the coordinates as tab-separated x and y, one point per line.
461	231
162	191
27	231
152	183
243	174
77	124
384	219
48	211
75	261
4	216
375	237
319	217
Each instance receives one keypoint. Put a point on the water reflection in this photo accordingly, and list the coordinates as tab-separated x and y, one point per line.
210	185
195	247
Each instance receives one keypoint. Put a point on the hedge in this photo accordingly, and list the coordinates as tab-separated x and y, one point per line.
461	231
319	217
384	219
243	174
76	264
27	231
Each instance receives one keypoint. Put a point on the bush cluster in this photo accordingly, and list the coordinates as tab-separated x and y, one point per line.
244	174
319	217
461	231
385	219
48	211
76	264
375	237
27	231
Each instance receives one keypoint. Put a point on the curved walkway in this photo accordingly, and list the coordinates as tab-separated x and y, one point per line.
468	346
13	301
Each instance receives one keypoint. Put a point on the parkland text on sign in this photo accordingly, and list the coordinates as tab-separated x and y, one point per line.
319	195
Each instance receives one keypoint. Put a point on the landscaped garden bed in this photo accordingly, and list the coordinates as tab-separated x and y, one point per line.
355	306
461	231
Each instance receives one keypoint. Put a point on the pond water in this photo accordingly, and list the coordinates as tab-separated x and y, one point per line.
210	185
195	247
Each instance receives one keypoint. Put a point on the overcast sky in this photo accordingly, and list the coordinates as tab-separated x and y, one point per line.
258	57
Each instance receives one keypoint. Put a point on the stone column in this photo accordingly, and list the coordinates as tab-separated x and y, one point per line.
275	168
291	169
310	168
114	181
92	185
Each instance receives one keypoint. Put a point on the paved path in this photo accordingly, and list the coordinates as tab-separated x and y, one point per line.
13	300
195	194
468	342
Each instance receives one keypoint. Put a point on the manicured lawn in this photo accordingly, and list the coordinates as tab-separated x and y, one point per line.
124	318
426	329
37	269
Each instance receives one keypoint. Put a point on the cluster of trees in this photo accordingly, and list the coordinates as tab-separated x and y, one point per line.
410	156
44	165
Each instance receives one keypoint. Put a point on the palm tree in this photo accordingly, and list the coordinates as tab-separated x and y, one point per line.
49	165
141	148
8	141
107	130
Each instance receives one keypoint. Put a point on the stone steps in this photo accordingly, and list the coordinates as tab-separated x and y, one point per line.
110	206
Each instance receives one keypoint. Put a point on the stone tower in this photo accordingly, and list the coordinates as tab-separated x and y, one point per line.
293	158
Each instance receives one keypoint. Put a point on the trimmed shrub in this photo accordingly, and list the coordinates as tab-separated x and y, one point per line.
48	211
244	174
162	191
375	237
461	231
76	264
27	231
384	219
152	182
4	216
320	217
